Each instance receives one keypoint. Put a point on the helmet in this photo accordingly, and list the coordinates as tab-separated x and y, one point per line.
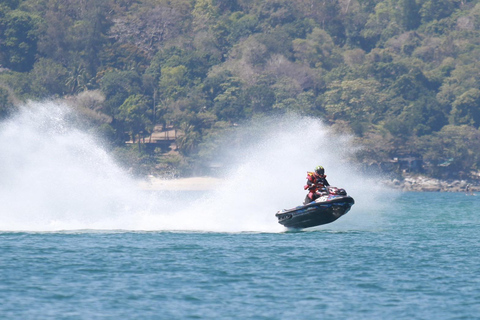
319	170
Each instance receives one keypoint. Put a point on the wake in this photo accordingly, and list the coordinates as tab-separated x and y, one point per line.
55	176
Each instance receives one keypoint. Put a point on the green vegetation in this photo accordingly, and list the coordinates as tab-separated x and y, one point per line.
401	75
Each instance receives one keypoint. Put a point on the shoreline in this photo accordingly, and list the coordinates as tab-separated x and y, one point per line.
152	183
409	183
427	184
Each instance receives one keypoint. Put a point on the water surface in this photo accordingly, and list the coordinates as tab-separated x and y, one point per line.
420	261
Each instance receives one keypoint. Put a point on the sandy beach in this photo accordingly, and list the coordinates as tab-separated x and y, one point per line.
181	184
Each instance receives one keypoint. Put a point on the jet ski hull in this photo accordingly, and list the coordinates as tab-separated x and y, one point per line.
322	211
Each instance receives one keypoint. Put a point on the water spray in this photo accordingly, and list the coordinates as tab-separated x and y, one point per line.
55	176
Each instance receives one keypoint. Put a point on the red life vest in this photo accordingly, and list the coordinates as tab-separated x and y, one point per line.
315	180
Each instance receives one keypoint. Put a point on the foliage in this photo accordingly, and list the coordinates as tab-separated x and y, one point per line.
6	104
19	35
403	75
136	115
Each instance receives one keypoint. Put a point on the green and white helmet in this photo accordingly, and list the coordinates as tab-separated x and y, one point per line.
319	170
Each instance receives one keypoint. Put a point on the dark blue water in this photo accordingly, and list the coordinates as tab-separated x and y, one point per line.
420	261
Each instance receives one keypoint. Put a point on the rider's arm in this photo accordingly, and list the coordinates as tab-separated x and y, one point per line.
310	184
325	182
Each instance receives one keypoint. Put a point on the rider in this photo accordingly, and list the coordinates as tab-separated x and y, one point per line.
316	184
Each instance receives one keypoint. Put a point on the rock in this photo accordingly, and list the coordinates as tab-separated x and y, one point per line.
422	183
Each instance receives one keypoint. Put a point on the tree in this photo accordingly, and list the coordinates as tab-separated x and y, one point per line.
241	26
18	40
197	63
383	24
423	116
12	4
173	81
55	41
117	87
410	17
327	14
73	33
49	77
466	109
89	33
77	79
188	142
135	113
272	13
355	100
317	50
437	9
459	144
259	98
204	14
228	104
6	105
397	70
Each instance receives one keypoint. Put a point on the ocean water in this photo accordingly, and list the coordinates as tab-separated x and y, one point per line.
421	262
79	239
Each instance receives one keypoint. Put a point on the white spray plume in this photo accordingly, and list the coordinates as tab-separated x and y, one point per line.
54	176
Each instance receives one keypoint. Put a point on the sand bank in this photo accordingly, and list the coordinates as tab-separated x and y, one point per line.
182	184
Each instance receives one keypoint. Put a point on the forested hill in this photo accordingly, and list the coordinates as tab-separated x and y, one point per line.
401	75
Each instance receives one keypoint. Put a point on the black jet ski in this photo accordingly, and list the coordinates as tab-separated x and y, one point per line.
326	209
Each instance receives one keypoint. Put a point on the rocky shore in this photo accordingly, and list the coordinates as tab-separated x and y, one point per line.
407	183
422	183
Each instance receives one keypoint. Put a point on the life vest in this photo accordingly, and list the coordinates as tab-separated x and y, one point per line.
315	180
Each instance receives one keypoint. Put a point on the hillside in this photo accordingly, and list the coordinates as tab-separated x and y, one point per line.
400	75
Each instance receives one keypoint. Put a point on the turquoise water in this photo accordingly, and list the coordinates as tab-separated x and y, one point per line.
418	258
221	254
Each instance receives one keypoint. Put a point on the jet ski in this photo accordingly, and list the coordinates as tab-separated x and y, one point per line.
333	204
